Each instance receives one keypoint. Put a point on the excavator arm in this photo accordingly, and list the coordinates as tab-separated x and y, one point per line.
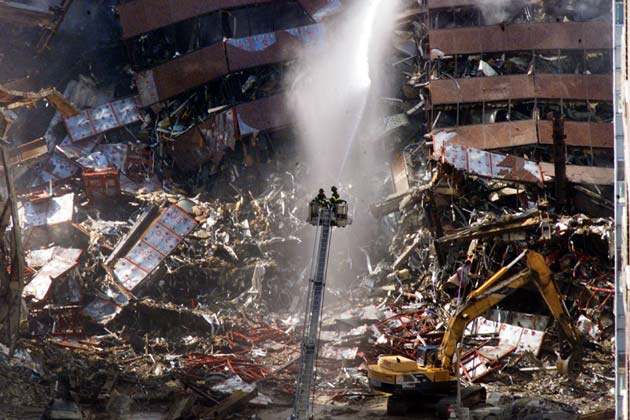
550	293
494	290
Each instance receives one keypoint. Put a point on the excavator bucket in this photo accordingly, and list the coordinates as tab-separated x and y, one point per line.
564	366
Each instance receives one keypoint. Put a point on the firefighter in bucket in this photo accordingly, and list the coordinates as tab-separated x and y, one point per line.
337	206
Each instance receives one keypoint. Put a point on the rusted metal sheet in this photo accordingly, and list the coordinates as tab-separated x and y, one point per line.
523	133
496	136
535	36
584	174
141	16
582	134
182	74
499	88
274	47
399	174
78	149
207	141
482	89
27	152
574	86
265	114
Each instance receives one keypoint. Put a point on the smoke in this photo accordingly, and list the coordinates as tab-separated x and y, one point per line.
499	11
332	95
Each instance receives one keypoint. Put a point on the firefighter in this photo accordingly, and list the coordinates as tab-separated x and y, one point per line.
321	198
334	199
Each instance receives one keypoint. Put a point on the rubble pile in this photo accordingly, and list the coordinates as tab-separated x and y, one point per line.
166	252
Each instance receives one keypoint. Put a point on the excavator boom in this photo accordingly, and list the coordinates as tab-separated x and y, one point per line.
494	291
431	375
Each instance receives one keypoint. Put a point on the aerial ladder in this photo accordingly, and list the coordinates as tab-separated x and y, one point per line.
324	215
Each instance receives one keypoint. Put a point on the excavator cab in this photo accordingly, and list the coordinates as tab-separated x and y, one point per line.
427	355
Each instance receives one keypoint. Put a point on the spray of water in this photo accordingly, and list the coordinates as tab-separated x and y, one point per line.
334	92
331	87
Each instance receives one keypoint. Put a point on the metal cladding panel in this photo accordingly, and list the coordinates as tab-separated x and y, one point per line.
55	211
508	167
595	35
182	74
189	150
79	149
103	118
207	141
147	90
274	47
522	133
442	41
448	91
499	88
480	89
513	87
497	136
515	168
590	175
485	164
583	134
142	16
106	156
573	86
264	114
541	36
159	240
62	261
57	168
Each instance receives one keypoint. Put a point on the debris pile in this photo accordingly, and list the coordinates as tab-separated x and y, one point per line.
162	229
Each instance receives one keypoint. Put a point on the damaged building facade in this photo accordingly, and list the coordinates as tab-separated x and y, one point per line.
516	105
160	210
229	55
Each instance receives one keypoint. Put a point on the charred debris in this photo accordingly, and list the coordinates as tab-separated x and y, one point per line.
149	262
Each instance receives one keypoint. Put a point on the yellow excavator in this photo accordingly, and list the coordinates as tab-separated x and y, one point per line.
430	378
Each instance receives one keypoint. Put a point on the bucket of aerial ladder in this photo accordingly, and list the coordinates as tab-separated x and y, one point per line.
338	209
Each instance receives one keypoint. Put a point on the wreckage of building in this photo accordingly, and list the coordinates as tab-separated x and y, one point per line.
495	90
156	255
